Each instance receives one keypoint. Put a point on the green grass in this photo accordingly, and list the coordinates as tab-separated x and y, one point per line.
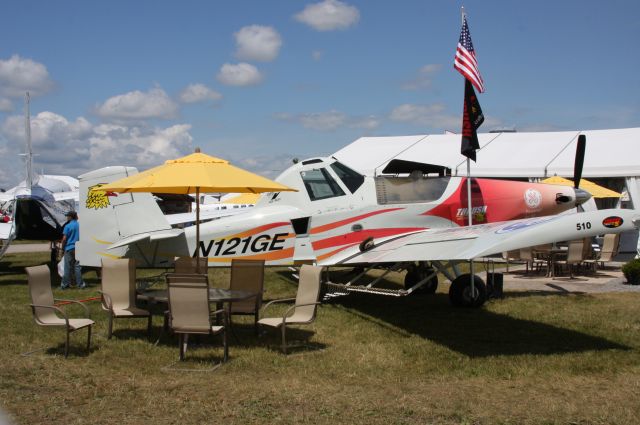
369	359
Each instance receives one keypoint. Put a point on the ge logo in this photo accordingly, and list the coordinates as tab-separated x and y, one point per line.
533	198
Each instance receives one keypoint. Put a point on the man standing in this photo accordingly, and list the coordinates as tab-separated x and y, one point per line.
71	235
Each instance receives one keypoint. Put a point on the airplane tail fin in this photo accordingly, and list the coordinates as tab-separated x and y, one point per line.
106	217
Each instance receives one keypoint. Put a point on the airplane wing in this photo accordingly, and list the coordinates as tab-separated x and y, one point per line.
182	218
64	196
466	243
6	231
151	236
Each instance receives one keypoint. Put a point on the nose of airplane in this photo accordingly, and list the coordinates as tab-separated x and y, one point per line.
582	196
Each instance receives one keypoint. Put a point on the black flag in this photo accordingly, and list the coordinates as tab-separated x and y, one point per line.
472	118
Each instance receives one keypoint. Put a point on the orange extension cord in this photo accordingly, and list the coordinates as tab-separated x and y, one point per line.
82	301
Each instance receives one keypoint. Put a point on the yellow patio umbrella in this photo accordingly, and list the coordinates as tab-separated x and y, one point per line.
197	173
595	190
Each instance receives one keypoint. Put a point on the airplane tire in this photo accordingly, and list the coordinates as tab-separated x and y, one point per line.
460	292
415	274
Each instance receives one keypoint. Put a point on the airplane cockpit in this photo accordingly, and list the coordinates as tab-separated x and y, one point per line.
319	181
321	184
406	182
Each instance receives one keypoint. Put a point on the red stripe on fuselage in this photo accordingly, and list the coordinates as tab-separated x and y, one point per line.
357	237
330	226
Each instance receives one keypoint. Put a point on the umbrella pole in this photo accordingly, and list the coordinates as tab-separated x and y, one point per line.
197	230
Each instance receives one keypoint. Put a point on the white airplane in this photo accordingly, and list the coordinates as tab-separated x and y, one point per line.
411	217
212	206
35	209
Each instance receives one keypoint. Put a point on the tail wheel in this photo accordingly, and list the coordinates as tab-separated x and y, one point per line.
417	273
460	293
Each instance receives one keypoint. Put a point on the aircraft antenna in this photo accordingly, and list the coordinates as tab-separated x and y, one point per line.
27	131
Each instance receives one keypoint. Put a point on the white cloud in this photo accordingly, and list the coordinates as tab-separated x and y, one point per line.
431	116
19	75
329	15
242	74
140	146
6	105
424	78
75	147
329	121
269	166
137	105
194	93
323	120
368	123
257	43
434	117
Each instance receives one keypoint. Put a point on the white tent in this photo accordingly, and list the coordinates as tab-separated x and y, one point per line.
610	153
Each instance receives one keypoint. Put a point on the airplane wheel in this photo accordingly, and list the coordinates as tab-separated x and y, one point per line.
460	292
417	273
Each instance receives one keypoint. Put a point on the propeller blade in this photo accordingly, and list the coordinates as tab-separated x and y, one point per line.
579	162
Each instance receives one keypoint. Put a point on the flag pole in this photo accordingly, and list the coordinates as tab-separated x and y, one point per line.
469	206
198	229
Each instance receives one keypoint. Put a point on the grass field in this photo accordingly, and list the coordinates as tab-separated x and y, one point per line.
526	359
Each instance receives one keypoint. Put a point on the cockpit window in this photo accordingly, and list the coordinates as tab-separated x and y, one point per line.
320	184
350	178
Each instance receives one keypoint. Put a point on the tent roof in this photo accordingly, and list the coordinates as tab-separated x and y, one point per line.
609	153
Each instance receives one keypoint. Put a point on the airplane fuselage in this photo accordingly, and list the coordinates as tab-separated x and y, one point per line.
333	211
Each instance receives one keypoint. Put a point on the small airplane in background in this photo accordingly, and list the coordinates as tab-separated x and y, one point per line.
213	207
35	209
413	217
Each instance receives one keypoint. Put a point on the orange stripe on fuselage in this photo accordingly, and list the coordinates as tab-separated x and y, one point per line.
330	226
334	252
267	256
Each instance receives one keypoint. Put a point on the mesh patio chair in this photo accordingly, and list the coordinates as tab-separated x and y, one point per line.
305	307
119	292
190	310
188	265
527	255
573	257
247	275
589	257
45	313
511	256
610	246
174	277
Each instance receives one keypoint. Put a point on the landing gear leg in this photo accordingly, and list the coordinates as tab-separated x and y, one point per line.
416	273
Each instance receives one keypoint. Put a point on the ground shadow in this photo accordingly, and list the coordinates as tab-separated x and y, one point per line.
473	332
298	339
75	350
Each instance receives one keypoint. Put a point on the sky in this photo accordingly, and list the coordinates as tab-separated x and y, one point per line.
258	82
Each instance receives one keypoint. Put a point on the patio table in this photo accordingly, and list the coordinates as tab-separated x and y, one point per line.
216	295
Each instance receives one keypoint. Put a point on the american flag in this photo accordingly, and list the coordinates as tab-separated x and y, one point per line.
465	61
